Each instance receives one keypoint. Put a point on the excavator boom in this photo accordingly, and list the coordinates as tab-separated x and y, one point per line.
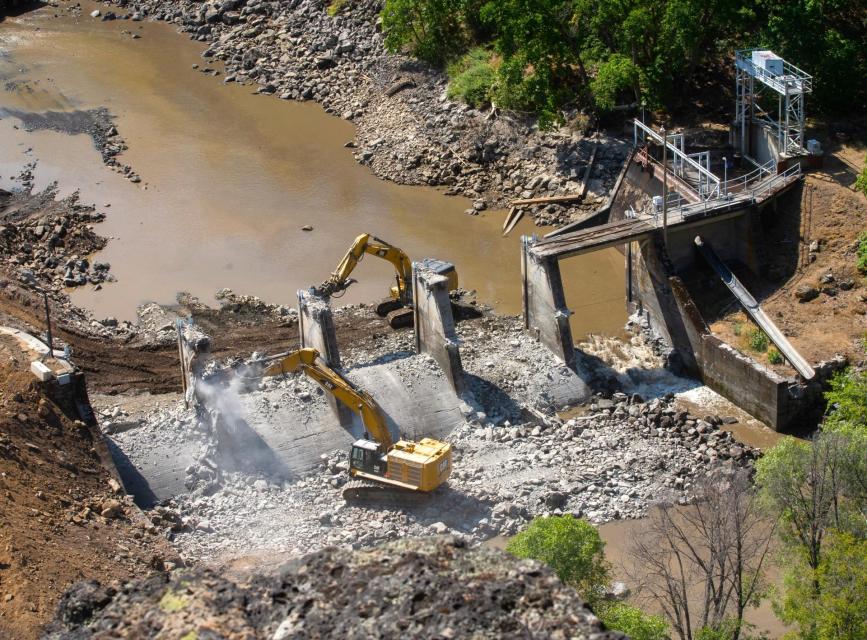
381	467
364	244
358	401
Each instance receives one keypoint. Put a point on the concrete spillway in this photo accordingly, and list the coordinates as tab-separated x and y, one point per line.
752	307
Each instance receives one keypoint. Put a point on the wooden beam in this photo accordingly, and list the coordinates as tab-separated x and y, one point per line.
547	200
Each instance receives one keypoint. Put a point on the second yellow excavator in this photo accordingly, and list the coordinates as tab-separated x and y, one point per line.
380	467
398	306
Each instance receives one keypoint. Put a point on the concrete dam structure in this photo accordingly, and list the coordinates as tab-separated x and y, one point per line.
663	201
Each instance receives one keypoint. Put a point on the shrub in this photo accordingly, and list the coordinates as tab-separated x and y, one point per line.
862	251
774	356
335	7
861	180
738	328
632	621
758	340
472	78
614	76
571	547
431	29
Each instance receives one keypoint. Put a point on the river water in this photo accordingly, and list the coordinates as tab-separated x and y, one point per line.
229	178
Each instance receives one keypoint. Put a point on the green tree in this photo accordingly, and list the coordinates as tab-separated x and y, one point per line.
632	621
571	547
817	490
432	30
614	76
542	69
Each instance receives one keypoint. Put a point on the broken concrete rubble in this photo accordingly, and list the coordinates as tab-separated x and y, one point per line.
514	458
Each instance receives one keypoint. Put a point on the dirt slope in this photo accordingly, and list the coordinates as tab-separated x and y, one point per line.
53	494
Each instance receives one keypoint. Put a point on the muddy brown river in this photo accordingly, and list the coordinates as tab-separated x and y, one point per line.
229	178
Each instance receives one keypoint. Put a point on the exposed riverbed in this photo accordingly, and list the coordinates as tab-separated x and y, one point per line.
229	178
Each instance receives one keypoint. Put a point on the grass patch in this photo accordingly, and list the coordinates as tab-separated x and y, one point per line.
738	328
758	341
774	356
336	6
472	78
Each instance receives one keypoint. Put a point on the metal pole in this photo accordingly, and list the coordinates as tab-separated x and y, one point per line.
725	176
664	189
48	324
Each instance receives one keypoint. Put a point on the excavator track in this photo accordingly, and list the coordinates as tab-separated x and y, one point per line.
400	318
366	492
386	306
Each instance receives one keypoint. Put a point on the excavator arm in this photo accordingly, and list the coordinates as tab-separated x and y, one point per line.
358	401
366	243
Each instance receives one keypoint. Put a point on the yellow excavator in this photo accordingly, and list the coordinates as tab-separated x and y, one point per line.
398	306
380	467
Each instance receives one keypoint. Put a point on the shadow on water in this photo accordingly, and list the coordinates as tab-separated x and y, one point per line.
13	8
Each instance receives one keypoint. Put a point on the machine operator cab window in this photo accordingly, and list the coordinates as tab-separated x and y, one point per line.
367	456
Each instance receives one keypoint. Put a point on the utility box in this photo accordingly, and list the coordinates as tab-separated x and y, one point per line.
769	61
41	371
814	147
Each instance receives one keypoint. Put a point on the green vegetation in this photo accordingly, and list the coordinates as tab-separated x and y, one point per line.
336	7
818	490
173	601
861	181
571	547
632	621
862	252
774	356
595	54
758	341
473	78
738	329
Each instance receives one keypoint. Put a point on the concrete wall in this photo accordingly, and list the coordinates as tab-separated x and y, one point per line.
784	404
545	313
434	323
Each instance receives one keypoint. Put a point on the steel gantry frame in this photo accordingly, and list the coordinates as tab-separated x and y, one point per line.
790	88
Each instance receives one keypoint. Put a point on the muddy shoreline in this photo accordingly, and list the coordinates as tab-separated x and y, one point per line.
406	130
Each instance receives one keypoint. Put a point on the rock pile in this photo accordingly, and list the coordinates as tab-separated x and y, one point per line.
435	588
47	242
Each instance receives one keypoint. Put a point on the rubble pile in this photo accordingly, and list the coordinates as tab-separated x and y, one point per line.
514	457
407	130
434	588
48	241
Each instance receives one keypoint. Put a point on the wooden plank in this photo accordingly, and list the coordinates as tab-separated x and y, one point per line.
512	219
522	202
586	178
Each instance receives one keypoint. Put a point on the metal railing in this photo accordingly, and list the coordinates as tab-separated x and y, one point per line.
791	80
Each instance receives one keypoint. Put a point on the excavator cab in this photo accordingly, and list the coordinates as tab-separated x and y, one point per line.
367	457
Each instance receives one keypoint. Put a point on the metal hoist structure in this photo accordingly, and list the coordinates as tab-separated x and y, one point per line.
762	75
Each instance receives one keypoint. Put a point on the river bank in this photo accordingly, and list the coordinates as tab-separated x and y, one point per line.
407	131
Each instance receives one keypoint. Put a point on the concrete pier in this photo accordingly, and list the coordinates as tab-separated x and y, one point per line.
545	312
434	323
316	327
316	330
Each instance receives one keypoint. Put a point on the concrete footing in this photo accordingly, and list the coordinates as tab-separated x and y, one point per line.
434	323
545	313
